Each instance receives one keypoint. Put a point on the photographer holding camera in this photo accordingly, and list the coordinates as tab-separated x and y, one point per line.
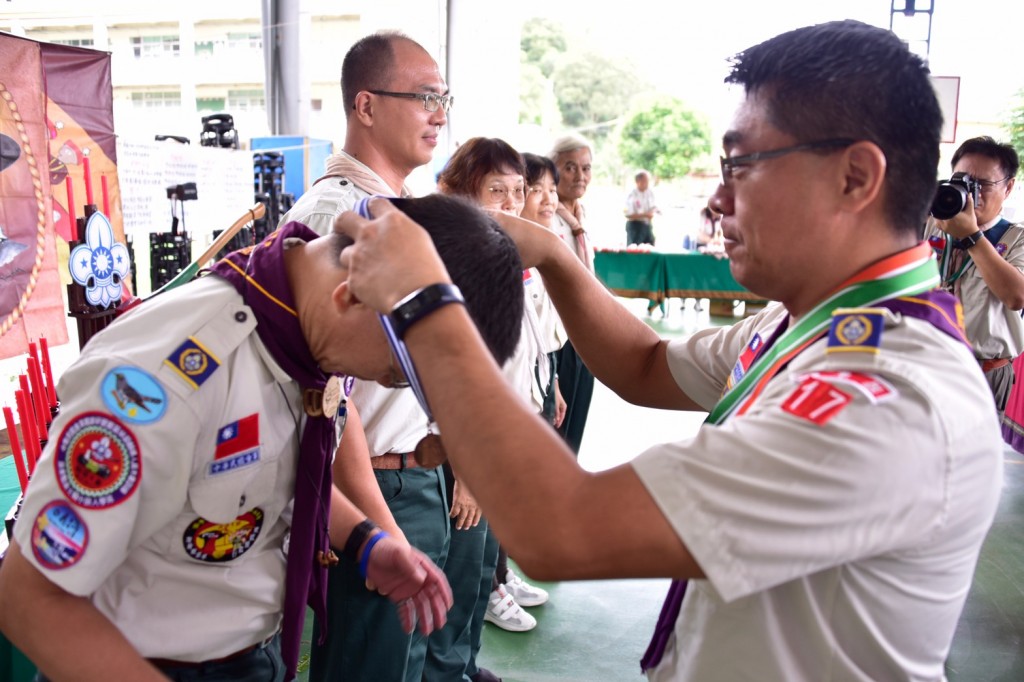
981	255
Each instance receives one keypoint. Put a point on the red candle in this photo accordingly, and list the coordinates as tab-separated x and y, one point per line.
29	417
35	378
51	388
106	195
71	202
88	180
28	431
12	435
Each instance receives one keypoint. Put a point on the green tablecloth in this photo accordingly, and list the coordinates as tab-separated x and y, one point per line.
658	276
13	664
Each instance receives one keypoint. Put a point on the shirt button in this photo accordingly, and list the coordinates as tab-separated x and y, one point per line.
241	316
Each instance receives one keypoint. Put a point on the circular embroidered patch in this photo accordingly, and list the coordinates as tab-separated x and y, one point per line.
97	461
219	542
59	536
193	361
854	330
134	395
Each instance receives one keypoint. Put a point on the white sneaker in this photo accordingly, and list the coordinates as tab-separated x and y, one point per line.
503	611
523	592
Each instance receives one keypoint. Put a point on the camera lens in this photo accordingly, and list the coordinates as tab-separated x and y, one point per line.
949	200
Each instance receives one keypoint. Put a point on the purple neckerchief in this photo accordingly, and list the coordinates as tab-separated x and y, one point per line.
937	307
259	275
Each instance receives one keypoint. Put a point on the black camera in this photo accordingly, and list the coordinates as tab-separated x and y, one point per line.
951	196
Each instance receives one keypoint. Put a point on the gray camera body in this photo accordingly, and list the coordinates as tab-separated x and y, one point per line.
951	195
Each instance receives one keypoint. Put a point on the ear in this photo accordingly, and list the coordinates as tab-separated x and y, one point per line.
1009	186
343	299
863	170
364	108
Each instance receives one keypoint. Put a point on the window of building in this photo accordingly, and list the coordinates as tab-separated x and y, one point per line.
75	42
210	104
246	100
156	99
155	46
204	48
245	41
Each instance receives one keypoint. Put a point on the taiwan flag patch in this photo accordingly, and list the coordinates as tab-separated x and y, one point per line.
238	445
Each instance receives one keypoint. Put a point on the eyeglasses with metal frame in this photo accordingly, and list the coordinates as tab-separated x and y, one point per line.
731	163
431	101
990	185
498	195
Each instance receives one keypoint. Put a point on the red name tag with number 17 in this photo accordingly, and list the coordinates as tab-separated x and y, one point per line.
816	400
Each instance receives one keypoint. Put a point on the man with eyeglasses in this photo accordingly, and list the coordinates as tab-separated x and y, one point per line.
396	102
981	258
826	520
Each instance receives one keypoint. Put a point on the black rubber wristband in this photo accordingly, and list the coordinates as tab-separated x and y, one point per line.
419	304
972	239
356	539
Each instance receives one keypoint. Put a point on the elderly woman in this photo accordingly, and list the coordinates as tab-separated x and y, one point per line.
572	157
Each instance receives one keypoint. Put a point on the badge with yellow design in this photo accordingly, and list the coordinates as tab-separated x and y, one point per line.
220	542
855	330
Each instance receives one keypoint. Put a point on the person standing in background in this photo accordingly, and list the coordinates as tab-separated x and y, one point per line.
574	161
541	202
489	173
640	209
981	258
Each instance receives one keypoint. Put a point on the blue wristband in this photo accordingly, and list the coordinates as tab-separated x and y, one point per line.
364	563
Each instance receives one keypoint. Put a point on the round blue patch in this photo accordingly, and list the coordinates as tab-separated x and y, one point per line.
59	536
133	395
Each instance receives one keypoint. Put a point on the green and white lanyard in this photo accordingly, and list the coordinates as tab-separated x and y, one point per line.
899	279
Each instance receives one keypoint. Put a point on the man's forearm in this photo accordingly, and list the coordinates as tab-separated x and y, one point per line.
64	635
551	515
354	478
623	353
1001	277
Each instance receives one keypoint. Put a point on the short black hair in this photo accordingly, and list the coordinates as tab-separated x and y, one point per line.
369	65
536	165
846	79
483	262
1005	154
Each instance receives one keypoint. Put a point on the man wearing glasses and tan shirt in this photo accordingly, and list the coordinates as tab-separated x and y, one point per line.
981	257
396	102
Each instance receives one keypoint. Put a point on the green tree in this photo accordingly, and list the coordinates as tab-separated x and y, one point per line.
665	137
542	44
1015	126
593	91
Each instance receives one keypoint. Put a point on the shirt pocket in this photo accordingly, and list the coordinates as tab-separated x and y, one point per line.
231	514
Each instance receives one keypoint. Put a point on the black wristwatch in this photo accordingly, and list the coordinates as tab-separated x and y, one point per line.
421	303
972	239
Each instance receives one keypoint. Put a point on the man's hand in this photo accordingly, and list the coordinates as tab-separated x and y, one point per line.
391	258
465	509
413	582
963	224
